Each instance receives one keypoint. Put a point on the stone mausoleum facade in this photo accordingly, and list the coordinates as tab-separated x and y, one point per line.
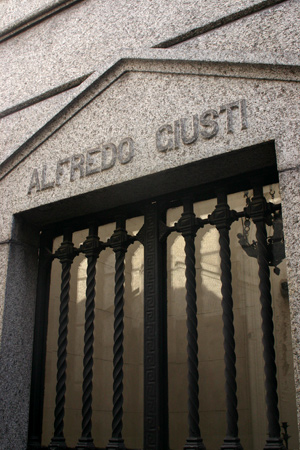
150	205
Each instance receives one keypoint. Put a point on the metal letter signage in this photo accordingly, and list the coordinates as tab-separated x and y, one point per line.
81	165
170	137
184	131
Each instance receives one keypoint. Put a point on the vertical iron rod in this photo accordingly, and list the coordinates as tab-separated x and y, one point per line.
119	243
65	254
188	226
191	309
91	248
117	424
260	211
222	218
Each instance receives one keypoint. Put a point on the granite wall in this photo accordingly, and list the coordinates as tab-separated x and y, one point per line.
92	98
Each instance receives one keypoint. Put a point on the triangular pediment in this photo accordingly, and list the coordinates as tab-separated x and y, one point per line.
93	85
143	116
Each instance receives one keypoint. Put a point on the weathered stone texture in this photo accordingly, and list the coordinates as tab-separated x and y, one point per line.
198	13
81	38
16	128
11	12
266	37
290	188
16	345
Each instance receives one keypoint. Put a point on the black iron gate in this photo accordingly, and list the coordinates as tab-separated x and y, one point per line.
153	236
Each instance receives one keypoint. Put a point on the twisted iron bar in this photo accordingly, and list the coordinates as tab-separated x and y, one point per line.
222	217
228	331
260	211
91	248
119	243
231	440
117	423
86	440
66	254
88	348
62	351
188	226
268	336
192	337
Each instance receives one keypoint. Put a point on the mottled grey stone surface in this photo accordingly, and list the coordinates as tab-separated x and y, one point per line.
6	220
11	12
16	344
288	143
290	188
266	36
77	40
4	250
16	128
198	12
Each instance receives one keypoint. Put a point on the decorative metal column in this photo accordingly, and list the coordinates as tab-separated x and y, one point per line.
91	248
188	225
119	242
260	211
152	236
222	218
65	254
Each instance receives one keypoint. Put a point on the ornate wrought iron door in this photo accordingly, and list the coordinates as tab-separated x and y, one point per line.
153	236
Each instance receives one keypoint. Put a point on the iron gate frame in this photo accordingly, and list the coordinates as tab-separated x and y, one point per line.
155	315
